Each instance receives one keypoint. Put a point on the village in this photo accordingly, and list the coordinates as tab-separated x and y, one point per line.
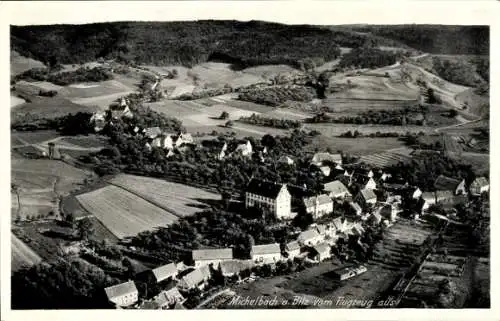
373	196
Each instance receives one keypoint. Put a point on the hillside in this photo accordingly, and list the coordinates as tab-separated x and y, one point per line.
186	43
436	39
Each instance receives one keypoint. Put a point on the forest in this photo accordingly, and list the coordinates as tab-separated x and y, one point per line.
277	95
367	57
270	122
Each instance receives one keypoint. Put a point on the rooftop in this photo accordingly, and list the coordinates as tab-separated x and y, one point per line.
165	271
121	289
266	249
213	254
321	199
264	188
446	183
336	187
368	194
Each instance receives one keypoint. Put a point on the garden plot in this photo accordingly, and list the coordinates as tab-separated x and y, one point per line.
179	199
123	213
385	159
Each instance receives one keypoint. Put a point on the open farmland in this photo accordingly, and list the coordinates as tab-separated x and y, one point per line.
338	129
346	105
357	146
124	213
44	107
20	64
179	199
22	255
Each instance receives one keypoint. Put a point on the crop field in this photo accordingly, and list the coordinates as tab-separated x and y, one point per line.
14	101
20	64
344	105
216	75
337	129
269	71
89	90
124	213
287	113
90	141
22	255
178	199
387	159
43	107
356	146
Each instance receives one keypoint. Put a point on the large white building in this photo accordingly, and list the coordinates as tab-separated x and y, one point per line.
318	205
266	253
273	196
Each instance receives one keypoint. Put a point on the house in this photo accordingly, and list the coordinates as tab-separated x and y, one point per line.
336	189
286	160
321	252
182	139
120	110
164	272
266	253
318	205
169	298
393	199
416	193
387	212
325	170
273	196
444	197
375	218
197	278
339	225
163	141
123	294
223	151
349	272
152	132
444	183
211	256
148	147
98	120
385	176
366	182
370	174
357	229
234	267
292	249
429	198
320	159
245	149
479	186
309	237
366	197
357	209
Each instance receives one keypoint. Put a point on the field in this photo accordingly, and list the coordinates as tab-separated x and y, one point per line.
387	158
44	107
22	255
40	183
338	129
20	64
355	146
90	141
14	101
179	199
124	213
35	137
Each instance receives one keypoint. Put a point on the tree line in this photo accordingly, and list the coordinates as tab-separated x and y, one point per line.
83	74
270	122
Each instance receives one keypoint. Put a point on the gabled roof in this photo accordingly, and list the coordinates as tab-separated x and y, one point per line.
440	195
322	157
322	248
197	276
367	194
166	297
308	234
213	254
264	188
286	160
321	199
165	271
121	289
336	187
152	132
446	183
266	249
355	206
325	170
481	181
292	246
235	266
337	222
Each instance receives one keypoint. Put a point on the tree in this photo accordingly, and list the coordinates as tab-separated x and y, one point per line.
229	124
85	228
175	73
224	115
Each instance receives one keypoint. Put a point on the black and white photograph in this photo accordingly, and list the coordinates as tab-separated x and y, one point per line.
249	164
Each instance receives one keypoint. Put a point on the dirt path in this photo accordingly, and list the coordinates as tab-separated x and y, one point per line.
64	145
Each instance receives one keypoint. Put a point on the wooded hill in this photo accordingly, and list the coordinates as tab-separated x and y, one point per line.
161	43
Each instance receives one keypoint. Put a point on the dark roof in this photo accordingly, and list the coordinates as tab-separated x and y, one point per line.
446	183
263	188
299	191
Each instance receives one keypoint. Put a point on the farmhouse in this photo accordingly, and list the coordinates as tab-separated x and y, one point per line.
211	256
266	253
318	205
366	197
429	198
164	272
416	193
163	141
366	182
197	278
321	252
444	183
309	237
120	110
183	139
273	196
339	224
245	149
479	186
292	249
320	159
123	294
234	267
336	190
169	298
357	229
444	197
98	120
375	218
385	176
286	160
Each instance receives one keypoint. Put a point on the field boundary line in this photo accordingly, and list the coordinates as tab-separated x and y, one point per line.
171	211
